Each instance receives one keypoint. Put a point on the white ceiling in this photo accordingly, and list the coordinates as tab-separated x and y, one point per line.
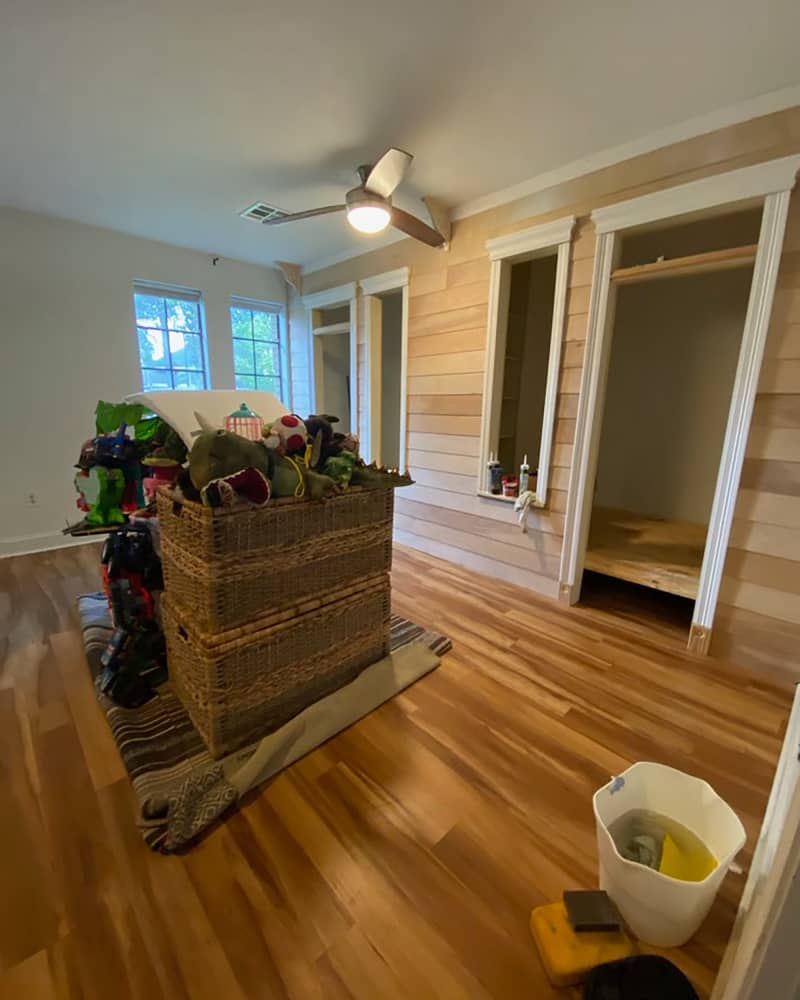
165	118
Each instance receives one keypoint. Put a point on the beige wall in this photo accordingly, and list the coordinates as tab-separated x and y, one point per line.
449	293
67	339
673	359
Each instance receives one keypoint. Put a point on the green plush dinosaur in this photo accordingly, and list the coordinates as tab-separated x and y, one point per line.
377	478
218	454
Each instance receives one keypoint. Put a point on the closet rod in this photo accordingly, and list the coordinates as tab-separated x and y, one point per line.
714	260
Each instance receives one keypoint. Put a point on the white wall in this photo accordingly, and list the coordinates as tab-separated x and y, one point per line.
391	358
673	359
67	339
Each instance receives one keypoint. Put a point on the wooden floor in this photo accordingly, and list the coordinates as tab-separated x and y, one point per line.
653	552
399	860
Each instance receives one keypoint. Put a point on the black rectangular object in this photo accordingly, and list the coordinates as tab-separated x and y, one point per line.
591	910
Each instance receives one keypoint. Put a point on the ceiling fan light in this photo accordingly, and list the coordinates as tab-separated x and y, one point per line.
368	218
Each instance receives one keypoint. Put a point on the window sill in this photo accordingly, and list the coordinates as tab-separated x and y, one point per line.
499	496
496	496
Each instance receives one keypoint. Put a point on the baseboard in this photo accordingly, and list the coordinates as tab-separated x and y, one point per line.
29	544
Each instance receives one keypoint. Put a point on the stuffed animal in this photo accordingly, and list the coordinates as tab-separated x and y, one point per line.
220	455
100	493
287	434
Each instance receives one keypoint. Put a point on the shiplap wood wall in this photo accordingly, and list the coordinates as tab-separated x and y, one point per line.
449	294
758	617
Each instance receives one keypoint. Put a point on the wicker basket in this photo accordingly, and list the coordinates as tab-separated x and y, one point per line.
214	533
242	685
348	538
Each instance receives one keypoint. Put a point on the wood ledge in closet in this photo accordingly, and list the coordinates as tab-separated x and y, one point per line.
714	260
653	552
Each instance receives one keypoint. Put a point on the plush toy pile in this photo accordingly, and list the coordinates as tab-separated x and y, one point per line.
293	458
119	469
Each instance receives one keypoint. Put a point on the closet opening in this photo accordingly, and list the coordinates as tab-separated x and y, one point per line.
391	363
333	364
681	294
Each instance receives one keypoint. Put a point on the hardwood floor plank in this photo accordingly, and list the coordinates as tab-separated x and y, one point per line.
400	859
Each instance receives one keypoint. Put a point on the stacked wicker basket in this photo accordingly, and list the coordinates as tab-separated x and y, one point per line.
268	610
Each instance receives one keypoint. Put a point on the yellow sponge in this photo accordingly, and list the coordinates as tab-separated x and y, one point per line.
566	955
687	865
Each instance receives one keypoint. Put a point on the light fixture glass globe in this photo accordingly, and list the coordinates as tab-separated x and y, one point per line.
368	218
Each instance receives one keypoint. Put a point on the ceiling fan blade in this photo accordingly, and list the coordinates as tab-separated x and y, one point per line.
388	172
412	226
280	219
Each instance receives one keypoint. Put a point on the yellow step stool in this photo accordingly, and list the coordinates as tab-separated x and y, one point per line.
566	955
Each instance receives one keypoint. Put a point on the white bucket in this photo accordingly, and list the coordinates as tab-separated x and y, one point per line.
661	910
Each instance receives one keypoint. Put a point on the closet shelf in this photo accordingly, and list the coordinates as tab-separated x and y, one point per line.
653	552
714	260
320	331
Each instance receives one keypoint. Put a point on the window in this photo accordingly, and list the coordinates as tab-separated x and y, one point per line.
169	328
259	351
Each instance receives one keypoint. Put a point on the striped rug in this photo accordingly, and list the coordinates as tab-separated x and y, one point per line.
180	788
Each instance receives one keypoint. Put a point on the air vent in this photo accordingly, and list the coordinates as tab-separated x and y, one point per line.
262	212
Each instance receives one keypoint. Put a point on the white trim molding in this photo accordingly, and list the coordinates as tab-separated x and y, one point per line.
697	196
524	244
327	298
527	241
756	326
389	281
708	195
379	284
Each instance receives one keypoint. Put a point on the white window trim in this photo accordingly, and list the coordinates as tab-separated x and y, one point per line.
504	251
389	281
329	298
268	306
772	182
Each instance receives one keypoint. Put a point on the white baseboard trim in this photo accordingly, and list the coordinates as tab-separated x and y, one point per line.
27	545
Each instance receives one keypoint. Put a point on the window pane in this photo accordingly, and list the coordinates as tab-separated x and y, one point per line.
151	349
182	315
186	350
245	381
267	359
269	384
240	322
243	356
189	380
265	325
152	379
149	310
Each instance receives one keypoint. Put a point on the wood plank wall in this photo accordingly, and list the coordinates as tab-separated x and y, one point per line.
449	294
758	617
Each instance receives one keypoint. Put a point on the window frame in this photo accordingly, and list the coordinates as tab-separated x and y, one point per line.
549	239
274	309
181	294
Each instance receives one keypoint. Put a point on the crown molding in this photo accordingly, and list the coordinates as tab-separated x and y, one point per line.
734	114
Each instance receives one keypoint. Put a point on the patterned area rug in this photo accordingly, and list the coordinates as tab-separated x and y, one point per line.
180	788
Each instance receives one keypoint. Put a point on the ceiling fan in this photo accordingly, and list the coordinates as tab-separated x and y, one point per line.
369	206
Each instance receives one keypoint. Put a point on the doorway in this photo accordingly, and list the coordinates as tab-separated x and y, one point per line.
701	227
383	387
676	340
333	353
